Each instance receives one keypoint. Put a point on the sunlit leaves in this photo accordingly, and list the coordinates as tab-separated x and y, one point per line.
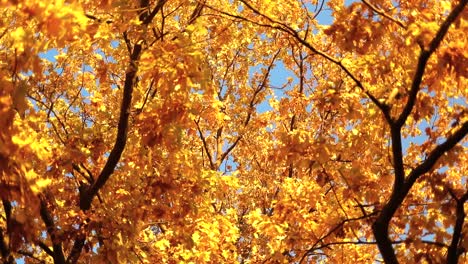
254	132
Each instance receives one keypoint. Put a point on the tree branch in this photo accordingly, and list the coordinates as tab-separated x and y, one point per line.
380	226
290	31
453	250
122	127
330	232
252	103
424	57
58	256
205	146
382	13
435	154
360	242
45	248
87	193
76	250
401	189
153	13
397	154
4	249
30	255
196	12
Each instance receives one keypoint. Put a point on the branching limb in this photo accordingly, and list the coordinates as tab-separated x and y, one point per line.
87	193
159	5
435	154
320	242
58	256
122	128
454	250
252	103
290	31
380	226
401	186
423	59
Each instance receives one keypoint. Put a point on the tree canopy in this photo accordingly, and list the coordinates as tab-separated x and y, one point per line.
240	131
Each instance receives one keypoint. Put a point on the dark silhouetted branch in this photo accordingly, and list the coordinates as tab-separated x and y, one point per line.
58	256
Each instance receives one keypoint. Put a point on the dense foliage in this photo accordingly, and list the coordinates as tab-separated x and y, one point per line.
240	131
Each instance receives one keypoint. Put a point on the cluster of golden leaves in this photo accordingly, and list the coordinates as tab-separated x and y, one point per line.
245	131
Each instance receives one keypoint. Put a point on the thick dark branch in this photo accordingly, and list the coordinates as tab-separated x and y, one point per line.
4	249
424	57
155	11
7	207
76	250
380	226
87	193
453	250
397	154
122	130
435	154
58	256
46	249
401	190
